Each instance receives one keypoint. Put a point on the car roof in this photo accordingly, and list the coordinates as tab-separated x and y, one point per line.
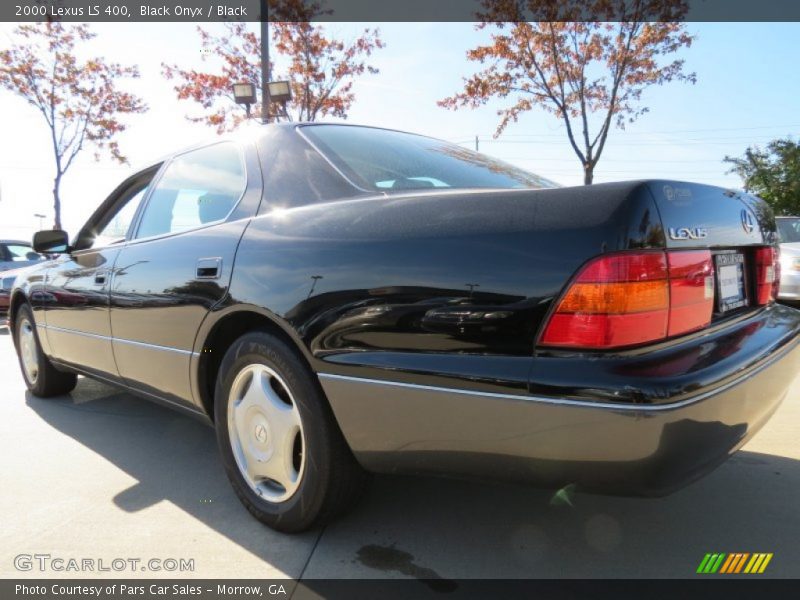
257	131
18	242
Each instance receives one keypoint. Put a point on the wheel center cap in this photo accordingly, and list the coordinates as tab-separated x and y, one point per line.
260	433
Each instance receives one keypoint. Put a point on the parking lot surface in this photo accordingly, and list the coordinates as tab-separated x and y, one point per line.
101	474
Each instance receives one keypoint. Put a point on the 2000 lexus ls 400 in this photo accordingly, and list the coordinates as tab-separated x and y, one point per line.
340	299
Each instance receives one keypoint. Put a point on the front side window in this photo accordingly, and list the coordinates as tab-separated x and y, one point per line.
112	223
381	160
117	228
196	189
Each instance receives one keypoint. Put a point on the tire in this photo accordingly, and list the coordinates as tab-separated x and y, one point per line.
41	377
281	446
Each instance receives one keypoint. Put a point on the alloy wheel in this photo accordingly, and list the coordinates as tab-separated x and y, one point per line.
28	350
266	433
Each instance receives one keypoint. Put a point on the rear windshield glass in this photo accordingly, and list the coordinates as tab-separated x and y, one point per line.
789	230
385	161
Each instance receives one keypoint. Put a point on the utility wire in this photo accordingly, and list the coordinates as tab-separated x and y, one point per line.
612	160
665	131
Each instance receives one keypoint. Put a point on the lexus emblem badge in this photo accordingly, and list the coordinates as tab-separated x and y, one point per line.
748	223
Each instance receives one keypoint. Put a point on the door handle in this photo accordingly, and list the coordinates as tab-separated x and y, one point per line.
100	278
209	268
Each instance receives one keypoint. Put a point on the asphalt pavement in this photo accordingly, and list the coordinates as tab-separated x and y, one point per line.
101	475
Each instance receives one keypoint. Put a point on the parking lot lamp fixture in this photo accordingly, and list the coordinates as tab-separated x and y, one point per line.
280	92
244	93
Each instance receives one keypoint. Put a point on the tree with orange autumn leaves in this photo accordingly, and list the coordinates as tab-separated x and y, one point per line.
79	100
321	69
588	73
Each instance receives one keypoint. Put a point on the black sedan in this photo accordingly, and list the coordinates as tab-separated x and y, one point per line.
340	300
7	279
15	255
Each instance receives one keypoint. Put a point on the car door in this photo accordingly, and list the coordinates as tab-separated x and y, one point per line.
178	265
77	285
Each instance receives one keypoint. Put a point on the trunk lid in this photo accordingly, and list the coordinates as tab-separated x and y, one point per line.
735	226
701	216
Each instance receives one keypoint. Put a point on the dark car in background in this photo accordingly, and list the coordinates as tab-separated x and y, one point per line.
15	254
6	283
339	300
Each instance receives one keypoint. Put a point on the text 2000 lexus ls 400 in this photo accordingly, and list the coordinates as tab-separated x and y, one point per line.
340	300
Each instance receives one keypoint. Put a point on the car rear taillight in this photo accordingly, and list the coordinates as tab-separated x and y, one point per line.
629	299
691	286
768	275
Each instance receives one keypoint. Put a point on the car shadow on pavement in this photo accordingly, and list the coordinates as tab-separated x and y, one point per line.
445	528
173	457
459	529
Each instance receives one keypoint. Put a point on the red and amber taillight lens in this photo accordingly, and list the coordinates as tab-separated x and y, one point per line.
632	298
768	275
691	286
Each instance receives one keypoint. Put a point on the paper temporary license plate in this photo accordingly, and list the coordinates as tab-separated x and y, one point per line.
730	281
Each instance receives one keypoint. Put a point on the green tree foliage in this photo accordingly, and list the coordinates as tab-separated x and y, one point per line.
772	173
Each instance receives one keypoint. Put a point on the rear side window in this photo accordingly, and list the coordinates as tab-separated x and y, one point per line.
197	188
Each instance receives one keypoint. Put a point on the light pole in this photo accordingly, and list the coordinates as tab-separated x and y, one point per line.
41	220
265	74
271	91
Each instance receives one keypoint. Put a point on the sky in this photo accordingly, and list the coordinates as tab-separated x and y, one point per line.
747	93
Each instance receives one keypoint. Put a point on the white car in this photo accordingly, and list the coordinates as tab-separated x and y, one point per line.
789	233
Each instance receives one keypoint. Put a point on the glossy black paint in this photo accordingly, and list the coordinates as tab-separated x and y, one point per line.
670	372
621	449
157	301
77	301
442	289
421	272
347	276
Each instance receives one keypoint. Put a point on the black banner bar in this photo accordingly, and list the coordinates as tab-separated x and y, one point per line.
706	587
150	11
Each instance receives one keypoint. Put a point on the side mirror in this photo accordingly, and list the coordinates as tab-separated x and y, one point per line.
51	241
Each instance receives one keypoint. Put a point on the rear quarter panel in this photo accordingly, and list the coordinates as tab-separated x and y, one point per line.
433	286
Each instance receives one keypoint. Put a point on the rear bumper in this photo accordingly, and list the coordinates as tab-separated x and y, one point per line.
596	444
